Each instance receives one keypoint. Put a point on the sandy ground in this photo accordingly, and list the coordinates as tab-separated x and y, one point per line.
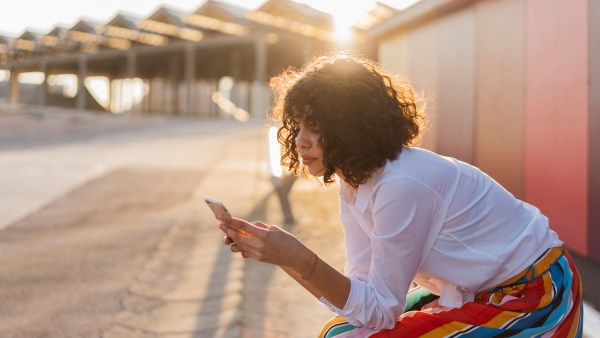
103	232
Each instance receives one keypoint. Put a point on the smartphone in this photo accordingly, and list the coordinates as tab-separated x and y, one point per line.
217	207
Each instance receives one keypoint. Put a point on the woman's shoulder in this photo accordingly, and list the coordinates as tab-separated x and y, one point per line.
418	162
417	168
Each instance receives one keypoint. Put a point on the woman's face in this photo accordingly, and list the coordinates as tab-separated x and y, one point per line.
310	152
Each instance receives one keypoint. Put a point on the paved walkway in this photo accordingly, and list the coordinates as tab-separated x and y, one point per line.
116	241
105	234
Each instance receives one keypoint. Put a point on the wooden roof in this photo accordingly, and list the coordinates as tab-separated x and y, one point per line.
5	43
28	43
296	18
57	31
30	35
223	11
86	25
219	17
57	40
170	21
124	20
379	13
298	12
169	15
168	25
125	26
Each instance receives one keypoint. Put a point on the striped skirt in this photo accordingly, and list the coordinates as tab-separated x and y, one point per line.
544	300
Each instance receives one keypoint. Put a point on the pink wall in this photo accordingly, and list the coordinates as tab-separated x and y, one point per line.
594	131
516	93
456	74
556	115
500	90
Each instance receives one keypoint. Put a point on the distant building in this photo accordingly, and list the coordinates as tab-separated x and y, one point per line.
172	62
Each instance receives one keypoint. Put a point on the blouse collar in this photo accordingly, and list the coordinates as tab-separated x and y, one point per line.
360	197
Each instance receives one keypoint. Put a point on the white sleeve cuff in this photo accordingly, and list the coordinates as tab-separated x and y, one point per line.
324	303
352	304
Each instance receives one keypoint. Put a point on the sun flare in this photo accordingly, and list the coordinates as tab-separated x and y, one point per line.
345	14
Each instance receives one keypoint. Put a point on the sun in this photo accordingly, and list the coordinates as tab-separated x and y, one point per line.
345	14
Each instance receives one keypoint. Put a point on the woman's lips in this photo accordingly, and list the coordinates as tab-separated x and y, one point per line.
307	160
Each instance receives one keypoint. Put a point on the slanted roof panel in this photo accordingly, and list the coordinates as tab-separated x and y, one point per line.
379	13
168	15
124	20
5	39
125	26
86	25
30	35
298	12
170	21
223	11
220	18
296	18
57	31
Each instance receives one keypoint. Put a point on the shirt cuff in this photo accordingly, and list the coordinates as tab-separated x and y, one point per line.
353	303
324	303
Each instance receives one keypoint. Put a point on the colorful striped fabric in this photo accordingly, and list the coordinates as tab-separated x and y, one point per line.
542	301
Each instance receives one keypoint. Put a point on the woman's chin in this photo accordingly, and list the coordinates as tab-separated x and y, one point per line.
317	173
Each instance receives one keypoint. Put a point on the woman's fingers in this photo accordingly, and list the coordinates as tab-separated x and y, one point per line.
227	240
237	241
246	228
234	248
260	224
235	235
265	243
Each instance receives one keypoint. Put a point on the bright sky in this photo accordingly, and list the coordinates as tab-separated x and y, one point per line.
43	15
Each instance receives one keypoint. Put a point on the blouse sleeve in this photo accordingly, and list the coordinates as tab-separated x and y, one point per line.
357	243
403	211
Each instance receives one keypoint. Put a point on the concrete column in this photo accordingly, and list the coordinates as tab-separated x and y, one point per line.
145	100
131	70
114	96
260	91
190	76
110	94
260	62
150	105
81	75
235	64
42	90
174	85
13	89
214	109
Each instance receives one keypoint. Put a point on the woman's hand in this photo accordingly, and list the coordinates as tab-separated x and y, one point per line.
270	244
265	243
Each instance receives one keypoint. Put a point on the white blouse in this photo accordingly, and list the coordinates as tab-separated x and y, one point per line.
438	221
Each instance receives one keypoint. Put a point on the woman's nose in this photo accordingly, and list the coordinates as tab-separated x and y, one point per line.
301	140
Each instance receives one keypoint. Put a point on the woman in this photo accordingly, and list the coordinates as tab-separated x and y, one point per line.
487	264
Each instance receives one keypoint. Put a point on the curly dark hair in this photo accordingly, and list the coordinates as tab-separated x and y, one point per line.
363	115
